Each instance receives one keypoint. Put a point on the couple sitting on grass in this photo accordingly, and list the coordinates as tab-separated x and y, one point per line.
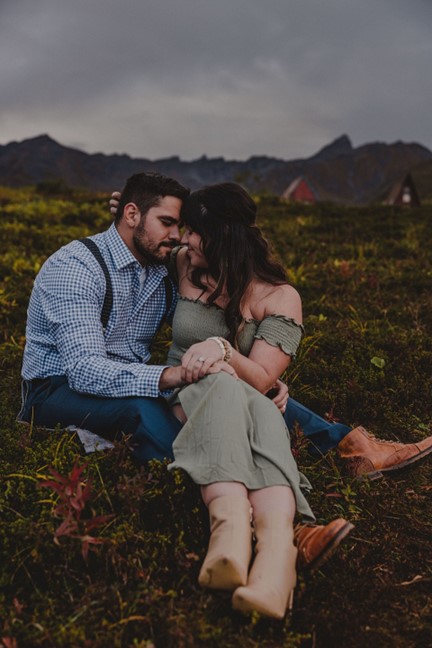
237	324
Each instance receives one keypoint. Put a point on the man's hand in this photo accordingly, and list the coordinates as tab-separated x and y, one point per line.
171	377
280	398
114	202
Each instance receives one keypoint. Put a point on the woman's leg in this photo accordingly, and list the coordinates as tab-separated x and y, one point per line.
273	497
179	413
230	548
256	452
222	489
235	434
272	577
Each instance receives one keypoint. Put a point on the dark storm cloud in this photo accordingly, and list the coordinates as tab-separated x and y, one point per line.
232	77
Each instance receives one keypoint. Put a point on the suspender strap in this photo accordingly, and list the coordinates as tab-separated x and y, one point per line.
168	297
108	301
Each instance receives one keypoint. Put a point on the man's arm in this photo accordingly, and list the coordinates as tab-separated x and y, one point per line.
70	299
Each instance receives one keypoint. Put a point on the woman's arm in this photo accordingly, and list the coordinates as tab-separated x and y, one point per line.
265	362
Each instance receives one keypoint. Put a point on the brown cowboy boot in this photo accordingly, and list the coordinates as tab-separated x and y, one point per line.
316	543
366	456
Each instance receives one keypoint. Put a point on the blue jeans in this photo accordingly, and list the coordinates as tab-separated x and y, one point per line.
324	436
149	421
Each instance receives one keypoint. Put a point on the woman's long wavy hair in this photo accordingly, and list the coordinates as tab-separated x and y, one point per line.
224	216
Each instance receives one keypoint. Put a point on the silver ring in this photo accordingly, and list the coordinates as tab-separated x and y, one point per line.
201	359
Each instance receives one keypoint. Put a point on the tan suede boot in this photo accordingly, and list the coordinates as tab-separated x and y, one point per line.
230	548
366	456
315	543
272	578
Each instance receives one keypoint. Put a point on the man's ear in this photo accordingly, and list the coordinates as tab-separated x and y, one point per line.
131	215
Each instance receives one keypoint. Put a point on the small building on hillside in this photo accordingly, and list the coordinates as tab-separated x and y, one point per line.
301	190
403	193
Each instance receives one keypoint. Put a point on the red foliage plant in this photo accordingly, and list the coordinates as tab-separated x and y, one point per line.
73	494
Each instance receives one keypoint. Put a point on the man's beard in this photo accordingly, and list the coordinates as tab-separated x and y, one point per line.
153	256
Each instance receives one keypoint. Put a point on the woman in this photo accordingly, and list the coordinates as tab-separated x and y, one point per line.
236	306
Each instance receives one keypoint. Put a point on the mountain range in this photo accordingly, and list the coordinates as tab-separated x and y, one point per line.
338	172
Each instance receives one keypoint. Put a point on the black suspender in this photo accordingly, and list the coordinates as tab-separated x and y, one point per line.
108	301
168	297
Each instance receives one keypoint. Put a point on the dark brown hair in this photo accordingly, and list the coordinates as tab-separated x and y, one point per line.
224	215
146	190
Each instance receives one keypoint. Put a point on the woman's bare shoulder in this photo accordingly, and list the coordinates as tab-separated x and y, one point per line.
283	300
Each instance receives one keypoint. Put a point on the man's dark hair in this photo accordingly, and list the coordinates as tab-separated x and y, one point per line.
146	190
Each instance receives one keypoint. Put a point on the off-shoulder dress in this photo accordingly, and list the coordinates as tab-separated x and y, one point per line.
233	432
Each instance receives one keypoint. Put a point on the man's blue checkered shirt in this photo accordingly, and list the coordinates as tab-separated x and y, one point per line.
64	330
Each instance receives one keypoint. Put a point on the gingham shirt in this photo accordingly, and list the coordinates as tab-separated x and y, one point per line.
64	330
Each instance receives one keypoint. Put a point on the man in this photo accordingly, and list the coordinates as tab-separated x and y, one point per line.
75	372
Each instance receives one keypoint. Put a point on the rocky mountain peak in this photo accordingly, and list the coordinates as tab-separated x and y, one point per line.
340	146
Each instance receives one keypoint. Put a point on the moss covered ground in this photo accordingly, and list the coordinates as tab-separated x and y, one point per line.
95	552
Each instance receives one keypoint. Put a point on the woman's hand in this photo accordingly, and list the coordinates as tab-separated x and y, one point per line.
198	359
280	398
193	373
221	365
114	202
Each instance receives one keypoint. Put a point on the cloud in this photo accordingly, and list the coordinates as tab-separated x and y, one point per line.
232	77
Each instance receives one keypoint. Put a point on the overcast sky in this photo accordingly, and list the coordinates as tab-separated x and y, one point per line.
232	78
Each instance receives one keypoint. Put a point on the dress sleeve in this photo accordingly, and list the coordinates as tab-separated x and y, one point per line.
281	331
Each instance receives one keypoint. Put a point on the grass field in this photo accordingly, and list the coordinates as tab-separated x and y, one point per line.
123	572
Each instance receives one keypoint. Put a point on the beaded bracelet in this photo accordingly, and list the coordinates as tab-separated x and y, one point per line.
228	350
225	347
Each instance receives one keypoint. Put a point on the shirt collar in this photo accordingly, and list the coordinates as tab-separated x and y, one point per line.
122	256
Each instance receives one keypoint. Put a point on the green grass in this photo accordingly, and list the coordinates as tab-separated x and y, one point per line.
365	277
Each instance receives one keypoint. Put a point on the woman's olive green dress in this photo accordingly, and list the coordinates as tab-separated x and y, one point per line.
233	433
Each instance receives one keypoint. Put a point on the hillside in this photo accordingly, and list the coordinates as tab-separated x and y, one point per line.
422	175
364	275
340	172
